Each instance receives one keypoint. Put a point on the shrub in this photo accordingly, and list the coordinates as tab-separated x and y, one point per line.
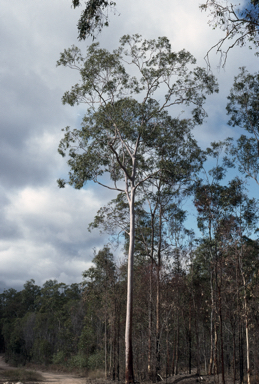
59	358
96	361
78	361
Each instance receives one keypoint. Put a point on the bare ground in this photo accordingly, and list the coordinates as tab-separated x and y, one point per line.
65	378
48	377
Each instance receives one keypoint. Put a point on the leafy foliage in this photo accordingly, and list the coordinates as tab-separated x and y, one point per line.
123	128
239	23
243	108
93	18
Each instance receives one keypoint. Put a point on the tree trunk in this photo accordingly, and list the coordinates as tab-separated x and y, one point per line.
158	324
177	345
234	356
246	317
221	324
198	346
118	346
129	375
221	338
247	351
114	344
216	351
190	339
174	353
241	355
247	332
150	320
167	350
158	368
150	323
211	323
105	346
212	298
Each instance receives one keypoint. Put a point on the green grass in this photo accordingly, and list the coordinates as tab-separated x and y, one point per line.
20	375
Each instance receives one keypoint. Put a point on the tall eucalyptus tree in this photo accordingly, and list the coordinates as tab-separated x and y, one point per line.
130	139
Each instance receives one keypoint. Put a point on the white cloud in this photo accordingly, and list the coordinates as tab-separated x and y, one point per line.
54	240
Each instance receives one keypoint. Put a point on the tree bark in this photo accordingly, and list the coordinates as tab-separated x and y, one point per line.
158	297
197	345
190	339
150	320
129	375
118	346
234	356
114	343
211	323
215	351
174	353
241	355
105	346
246	323
177	346
221	338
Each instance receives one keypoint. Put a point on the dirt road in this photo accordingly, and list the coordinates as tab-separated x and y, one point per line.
50	377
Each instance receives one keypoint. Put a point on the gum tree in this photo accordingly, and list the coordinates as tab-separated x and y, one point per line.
243	109
130	139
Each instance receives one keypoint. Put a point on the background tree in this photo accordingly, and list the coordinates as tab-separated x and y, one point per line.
100	294
243	109
239	23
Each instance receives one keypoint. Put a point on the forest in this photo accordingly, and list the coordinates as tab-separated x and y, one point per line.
183	294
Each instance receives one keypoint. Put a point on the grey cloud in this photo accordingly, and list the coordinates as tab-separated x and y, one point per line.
18	167
9	230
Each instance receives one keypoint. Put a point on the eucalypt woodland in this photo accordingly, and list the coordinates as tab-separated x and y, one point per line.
127	132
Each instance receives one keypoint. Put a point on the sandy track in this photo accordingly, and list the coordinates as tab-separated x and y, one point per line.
61	379
50	377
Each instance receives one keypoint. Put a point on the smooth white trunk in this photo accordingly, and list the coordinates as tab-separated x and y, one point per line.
247	353
129	376
246	318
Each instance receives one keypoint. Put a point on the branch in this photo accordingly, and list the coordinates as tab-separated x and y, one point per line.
106	186
120	163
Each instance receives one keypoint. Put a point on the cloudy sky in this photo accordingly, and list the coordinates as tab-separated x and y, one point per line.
43	230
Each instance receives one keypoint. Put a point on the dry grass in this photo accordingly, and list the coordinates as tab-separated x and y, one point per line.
97	374
20	375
